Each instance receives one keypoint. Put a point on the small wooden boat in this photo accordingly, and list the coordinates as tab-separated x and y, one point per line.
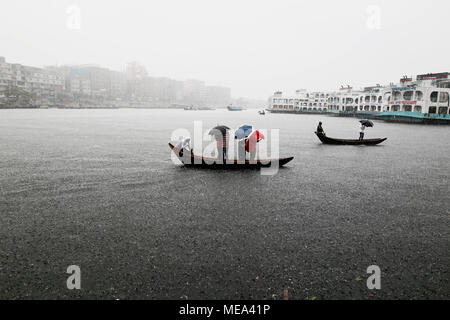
367	142
200	161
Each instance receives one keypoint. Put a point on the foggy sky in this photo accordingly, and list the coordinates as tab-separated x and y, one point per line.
253	47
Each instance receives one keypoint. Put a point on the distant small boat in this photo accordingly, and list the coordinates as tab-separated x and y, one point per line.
262	112
235	108
368	142
204	162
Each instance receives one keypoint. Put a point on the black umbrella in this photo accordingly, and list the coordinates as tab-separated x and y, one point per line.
366	123
219	131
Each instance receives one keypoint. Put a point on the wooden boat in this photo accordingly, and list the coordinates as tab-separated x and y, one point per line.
367	142
210	162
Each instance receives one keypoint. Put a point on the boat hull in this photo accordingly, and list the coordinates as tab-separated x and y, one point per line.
205	162
366	142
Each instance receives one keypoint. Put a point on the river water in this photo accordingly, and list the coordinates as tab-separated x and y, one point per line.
98	189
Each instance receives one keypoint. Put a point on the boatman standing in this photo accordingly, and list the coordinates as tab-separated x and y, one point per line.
361	132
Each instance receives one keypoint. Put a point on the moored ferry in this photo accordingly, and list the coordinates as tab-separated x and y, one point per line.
423	100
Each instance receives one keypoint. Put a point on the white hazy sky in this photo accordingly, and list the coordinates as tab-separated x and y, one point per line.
254	47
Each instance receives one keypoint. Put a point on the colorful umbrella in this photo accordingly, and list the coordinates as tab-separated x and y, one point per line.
243	132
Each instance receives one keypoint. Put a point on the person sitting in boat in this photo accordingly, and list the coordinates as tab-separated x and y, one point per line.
241	150
361	132
184	146
222	146
320	129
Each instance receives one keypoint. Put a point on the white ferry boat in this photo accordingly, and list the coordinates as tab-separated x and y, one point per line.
423	100
302	102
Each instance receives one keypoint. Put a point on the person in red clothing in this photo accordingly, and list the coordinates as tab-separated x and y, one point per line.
250	143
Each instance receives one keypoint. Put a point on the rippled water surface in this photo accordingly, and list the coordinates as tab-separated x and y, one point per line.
98	189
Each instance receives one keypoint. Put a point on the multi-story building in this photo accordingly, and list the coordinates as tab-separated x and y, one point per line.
42	84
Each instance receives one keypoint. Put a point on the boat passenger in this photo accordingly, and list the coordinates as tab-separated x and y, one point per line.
250	144
320	129
184	145
241	151
361	132
222	145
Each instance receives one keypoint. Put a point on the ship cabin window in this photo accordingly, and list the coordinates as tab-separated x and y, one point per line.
434	96
408	95
419	95
355	108
367	99
374	99
373	108
309	109
366	108
314	109
397	95
407	108
418	109
356	100
442	110
361	108
443	97
387	109
379	108
304	109
432	110
380	99
396	108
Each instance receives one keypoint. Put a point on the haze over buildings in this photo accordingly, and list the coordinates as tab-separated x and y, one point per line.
92	84
252	47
